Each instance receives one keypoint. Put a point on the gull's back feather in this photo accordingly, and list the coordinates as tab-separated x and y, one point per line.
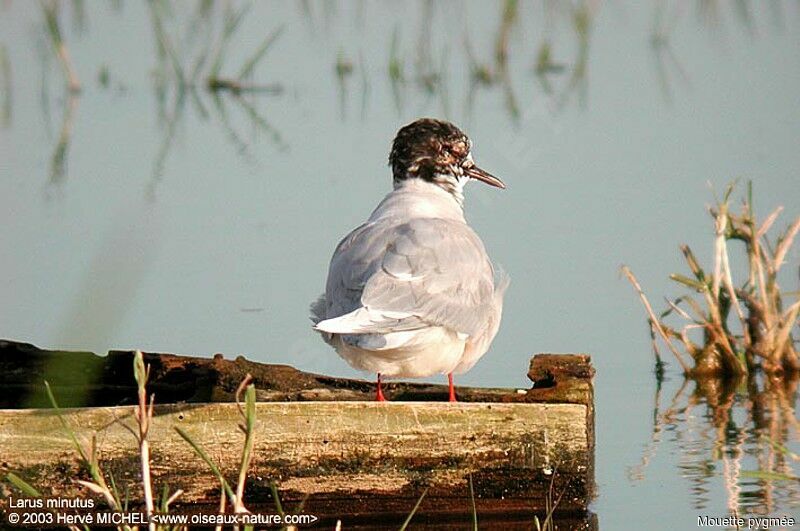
388	276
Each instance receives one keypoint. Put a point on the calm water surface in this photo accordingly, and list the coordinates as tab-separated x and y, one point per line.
140	215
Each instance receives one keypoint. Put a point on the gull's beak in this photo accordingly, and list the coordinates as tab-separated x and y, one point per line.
475	172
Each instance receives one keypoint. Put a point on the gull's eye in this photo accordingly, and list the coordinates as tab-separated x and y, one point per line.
459	149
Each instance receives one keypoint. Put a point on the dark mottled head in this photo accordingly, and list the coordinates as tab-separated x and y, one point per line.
436	151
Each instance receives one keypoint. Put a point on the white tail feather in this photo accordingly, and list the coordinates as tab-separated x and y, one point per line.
368	321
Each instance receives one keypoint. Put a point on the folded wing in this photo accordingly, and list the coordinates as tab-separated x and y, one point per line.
386	277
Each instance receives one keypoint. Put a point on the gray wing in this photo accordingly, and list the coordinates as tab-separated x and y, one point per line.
426	271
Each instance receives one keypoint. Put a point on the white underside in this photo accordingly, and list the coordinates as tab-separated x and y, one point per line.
398	344
407	354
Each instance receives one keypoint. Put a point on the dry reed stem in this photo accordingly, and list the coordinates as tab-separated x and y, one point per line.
768	222
222	502
762	290
766	327
653	319
693	349
720	224
723	265
785	244
144	414
680	311
248	415
785	330
716	326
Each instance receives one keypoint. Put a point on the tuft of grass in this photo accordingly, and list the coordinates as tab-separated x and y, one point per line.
143	414
745	327
551	503
89	454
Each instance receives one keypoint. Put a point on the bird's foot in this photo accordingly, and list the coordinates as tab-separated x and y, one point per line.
379	394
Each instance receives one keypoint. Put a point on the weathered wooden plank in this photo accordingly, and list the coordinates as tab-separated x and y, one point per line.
309	441
366	462
329	450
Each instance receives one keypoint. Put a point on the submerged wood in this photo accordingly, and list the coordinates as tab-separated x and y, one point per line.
319	438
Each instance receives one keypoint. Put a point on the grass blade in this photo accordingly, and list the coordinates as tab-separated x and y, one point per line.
474	509
25	487
686	281
414	510
276	498
204	456
65	425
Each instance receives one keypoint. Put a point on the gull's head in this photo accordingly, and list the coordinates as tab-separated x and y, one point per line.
438	152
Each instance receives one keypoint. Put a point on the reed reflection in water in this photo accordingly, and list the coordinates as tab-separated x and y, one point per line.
737	432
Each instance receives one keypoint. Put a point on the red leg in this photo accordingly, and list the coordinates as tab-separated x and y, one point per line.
379	396
452	389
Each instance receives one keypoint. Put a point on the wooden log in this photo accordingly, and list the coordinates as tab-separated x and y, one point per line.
86	379
319	441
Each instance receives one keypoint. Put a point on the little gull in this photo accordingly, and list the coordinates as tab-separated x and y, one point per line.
412	292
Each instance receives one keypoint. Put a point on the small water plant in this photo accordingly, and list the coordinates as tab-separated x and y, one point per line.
744	327
103	483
